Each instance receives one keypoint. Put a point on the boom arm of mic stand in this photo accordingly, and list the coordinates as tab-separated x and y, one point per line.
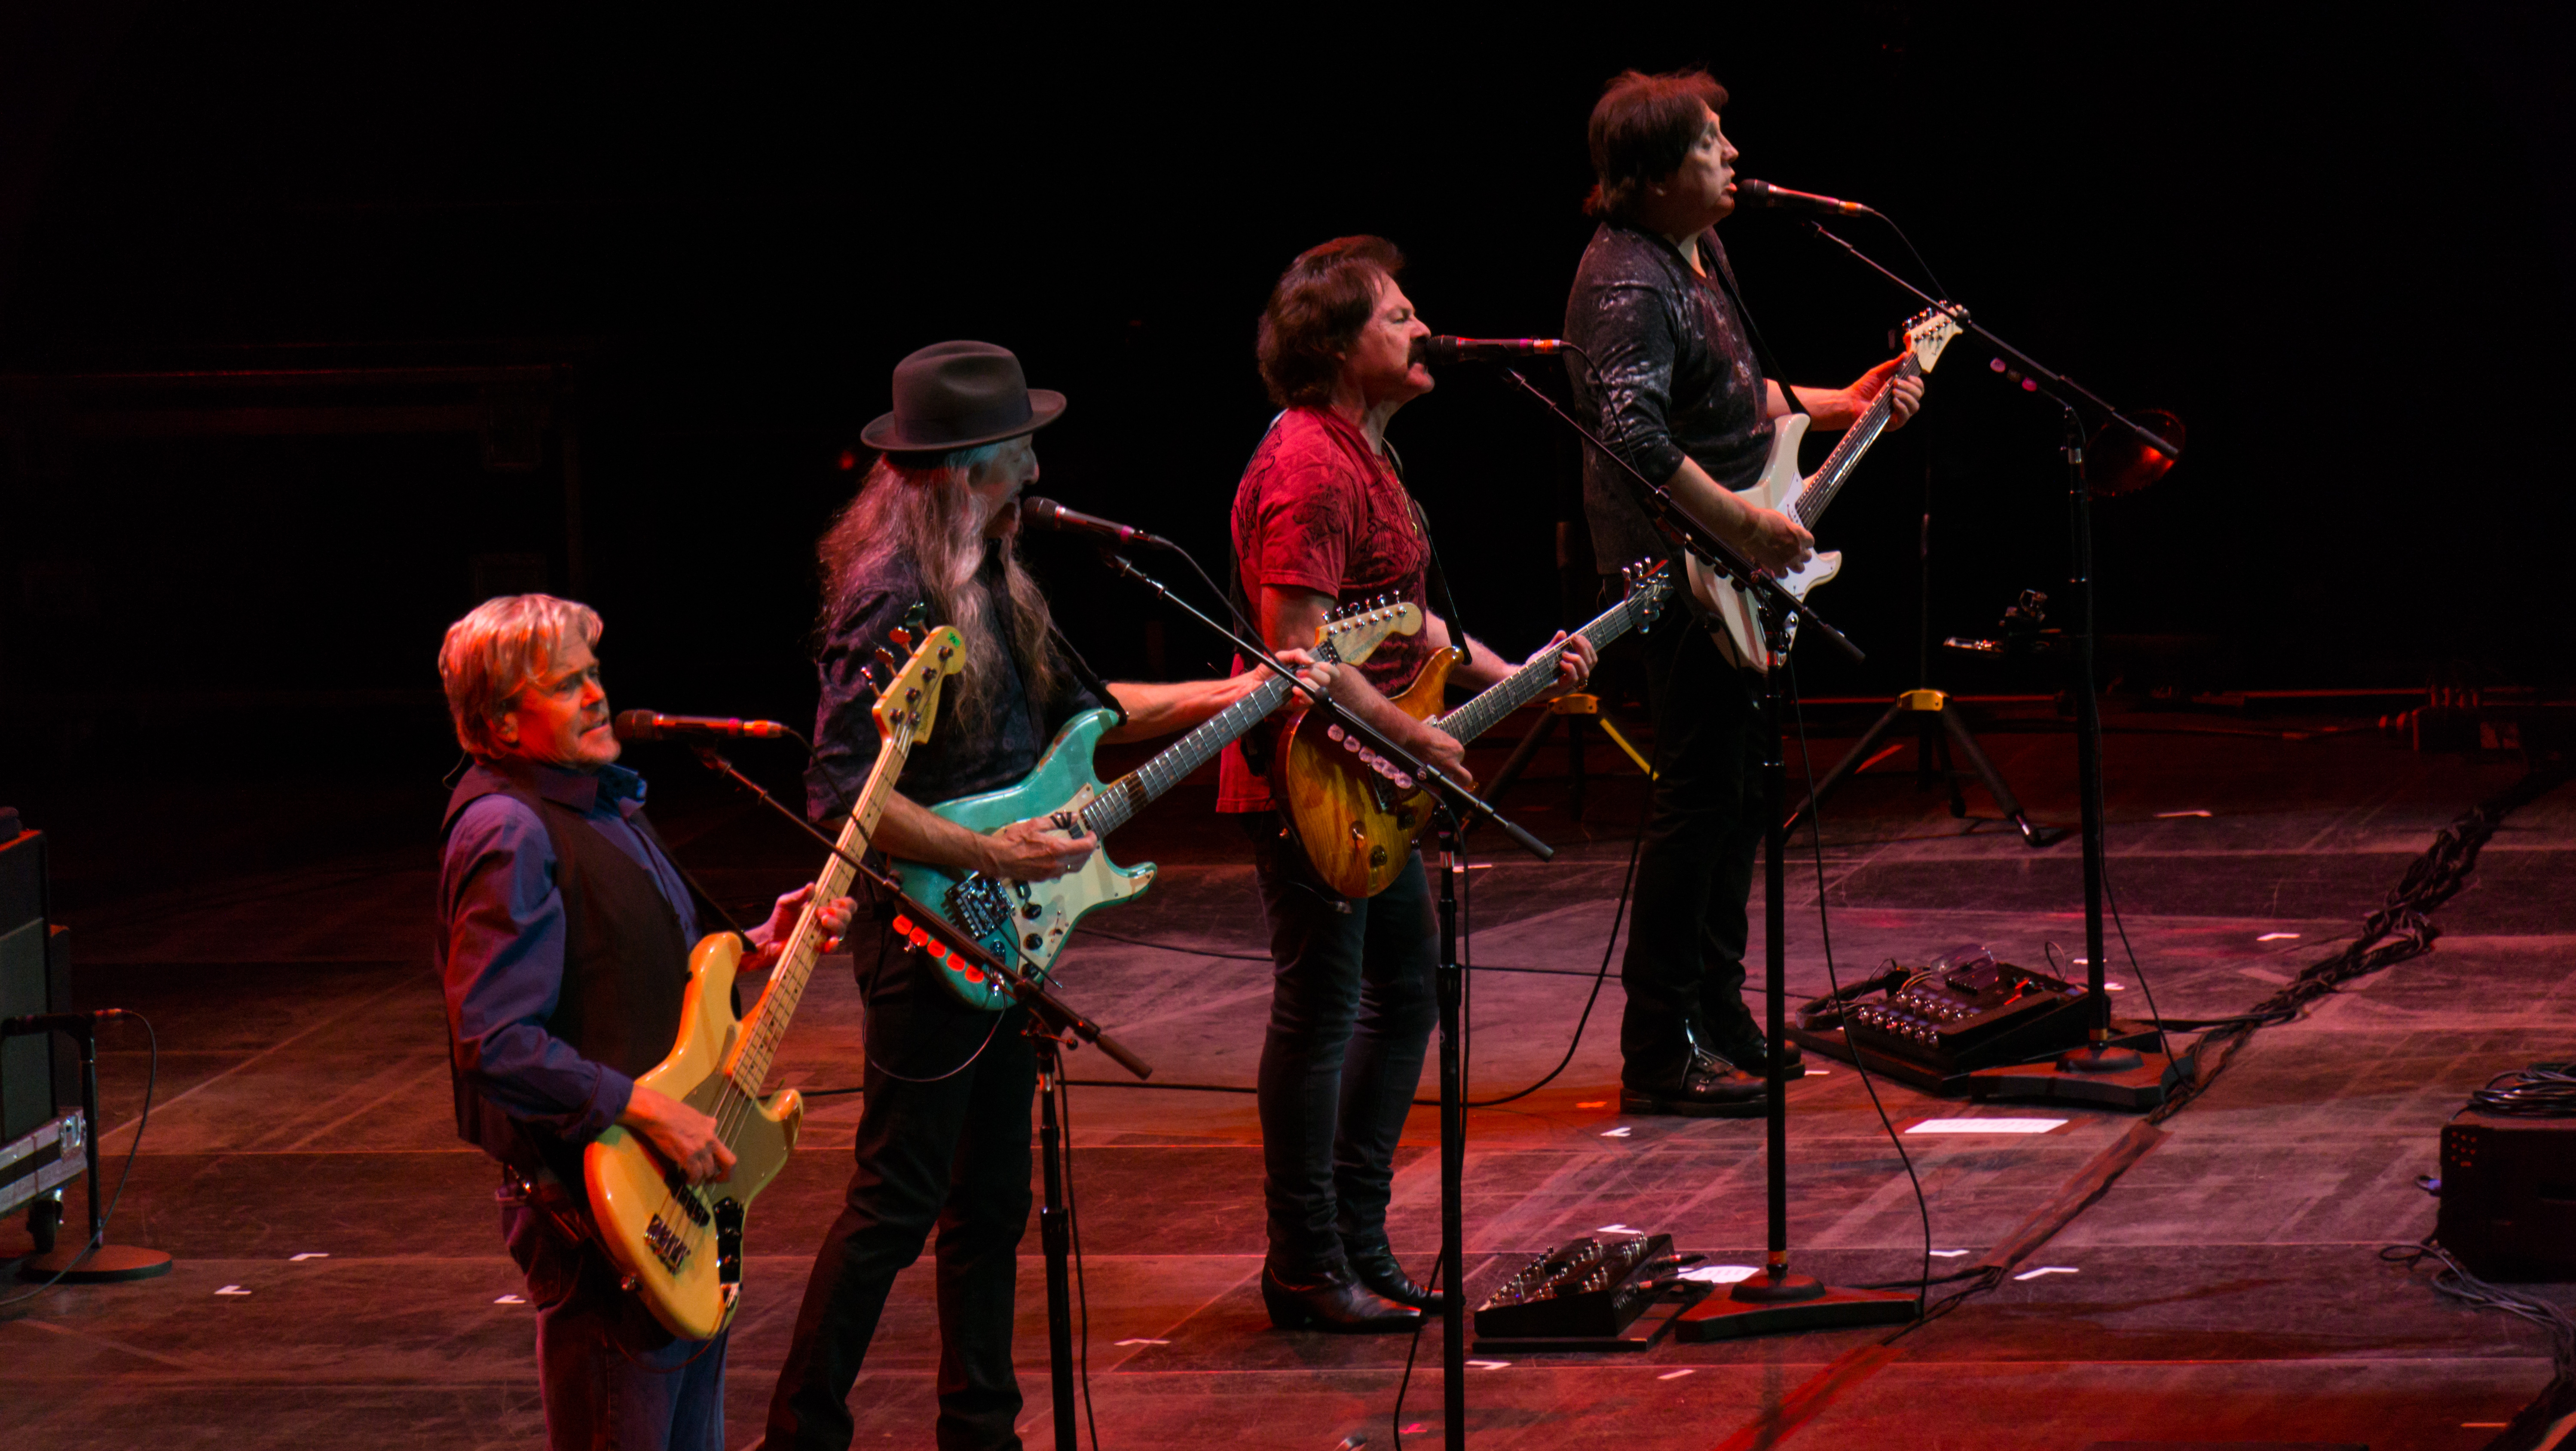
2029	365
1689	534
1031	993
1421	770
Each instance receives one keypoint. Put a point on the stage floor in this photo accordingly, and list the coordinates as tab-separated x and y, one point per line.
340	1279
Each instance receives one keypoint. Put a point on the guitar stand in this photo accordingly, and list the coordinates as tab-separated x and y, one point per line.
1940	728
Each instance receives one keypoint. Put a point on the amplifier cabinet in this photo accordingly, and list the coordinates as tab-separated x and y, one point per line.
2509	1196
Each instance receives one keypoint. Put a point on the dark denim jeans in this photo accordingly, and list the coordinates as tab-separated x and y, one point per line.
1687	932
952	1151
1351	1011
611	1376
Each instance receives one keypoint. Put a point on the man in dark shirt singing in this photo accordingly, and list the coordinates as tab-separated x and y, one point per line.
564	953
1680	394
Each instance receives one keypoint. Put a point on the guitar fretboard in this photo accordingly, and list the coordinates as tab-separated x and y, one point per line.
1837	466
1120	800
1525	684
758	1046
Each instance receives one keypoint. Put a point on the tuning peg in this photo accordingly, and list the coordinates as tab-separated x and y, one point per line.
901	637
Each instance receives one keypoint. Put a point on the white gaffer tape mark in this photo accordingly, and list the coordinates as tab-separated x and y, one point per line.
310	1254
1615	1229
1675	1374
1987	1126
2116	987
1489	1364
1721	1274
2048	1270
2170	815
1947	1254
232	1290
2278	937
511	1300
2081	961
1141	1340
1620	1132
1415	1429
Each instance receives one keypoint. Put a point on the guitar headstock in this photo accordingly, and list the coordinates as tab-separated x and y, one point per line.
908	700
1926	334
1355	631
1649	584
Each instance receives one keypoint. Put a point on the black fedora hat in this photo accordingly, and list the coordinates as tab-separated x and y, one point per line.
959	395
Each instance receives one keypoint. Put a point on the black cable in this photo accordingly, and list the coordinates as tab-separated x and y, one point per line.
1177	947
2111	899
1618	916
2544	1090
1833	981
98	1232
1413	1348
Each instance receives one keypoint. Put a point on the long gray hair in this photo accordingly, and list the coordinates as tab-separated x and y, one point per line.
924	514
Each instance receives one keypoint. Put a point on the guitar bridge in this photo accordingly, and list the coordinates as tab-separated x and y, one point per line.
980	906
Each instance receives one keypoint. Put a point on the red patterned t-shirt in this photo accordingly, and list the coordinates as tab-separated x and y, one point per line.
1318	510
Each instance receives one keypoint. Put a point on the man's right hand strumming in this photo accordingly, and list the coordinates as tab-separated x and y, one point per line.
1034	851
683	1135
1775	541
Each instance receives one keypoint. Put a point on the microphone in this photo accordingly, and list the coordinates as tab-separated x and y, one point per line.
1764	194
1481	350
647	725
1048	514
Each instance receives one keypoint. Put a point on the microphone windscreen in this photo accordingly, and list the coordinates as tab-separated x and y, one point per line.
634	725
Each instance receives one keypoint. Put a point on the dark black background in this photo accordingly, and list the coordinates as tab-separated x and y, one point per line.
2335	240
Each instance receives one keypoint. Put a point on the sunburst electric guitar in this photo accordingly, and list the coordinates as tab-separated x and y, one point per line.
680	1245
1357	820
1738	625
1026	923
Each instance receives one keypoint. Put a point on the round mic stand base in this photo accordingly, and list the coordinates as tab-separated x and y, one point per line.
111	1263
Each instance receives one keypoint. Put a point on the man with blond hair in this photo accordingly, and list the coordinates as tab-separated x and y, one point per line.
564	946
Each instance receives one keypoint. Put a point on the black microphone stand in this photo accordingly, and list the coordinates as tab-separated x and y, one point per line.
1447	797
1053	1025
2103	1071
1776	1300
93	1261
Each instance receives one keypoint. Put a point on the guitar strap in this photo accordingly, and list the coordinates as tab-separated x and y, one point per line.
1724	272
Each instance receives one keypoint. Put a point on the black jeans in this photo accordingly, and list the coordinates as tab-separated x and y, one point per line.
954	1151
1351	1011
1686	938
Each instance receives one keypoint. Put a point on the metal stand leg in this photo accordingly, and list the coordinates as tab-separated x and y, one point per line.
1453	1156
1054	1234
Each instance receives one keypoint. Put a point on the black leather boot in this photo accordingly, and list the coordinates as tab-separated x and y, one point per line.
1739	1041
1334	1302
1379	1270
1704	1086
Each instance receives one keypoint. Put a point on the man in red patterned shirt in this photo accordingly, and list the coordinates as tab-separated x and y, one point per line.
1322	518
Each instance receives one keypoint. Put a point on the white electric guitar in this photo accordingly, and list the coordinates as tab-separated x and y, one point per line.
1738	625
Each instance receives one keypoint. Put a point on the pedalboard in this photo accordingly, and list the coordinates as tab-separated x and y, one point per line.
1589	1290
1933	1026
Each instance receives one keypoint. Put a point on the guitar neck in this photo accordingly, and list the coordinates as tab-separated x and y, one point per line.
758	1045
1855	442
1525	684
1121	799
